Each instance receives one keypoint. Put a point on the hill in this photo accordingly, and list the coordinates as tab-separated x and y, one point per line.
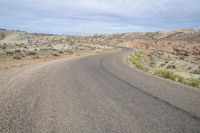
177	46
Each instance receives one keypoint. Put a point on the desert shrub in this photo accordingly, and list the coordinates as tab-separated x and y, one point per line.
50	45
194	82
171	66
163	64
55	54
172	76
182	57
196	71
152	64
31	53
4	46
17	57
17	50
69	51
10	52
22	55
53	49
167	74
36	57
60	52
135	59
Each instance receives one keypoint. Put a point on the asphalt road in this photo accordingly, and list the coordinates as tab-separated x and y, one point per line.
98	93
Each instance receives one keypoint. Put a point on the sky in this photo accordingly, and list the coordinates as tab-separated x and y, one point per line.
98	16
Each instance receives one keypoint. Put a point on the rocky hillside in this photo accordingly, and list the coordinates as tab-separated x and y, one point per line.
178	50
173	54
16	40
185	41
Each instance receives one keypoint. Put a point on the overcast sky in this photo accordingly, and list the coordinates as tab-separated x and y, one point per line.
98	16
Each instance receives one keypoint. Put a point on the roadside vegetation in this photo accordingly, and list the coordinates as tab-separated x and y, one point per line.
164	71
135	59
176	77
196	71
18	54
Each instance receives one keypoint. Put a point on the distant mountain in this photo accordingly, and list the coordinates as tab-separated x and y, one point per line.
185	40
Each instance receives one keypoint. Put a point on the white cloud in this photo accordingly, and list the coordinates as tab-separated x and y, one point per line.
89	16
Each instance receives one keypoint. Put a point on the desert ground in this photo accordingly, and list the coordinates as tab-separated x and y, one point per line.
100	83
177	50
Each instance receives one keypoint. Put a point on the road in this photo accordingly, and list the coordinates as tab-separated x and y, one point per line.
98	93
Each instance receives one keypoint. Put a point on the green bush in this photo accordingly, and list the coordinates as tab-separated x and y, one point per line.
167	74
136	60
194	82
172	76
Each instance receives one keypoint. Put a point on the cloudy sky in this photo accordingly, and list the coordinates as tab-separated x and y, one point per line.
98	16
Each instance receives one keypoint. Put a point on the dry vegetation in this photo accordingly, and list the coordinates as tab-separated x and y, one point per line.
173	55
177	51
19	46
167	65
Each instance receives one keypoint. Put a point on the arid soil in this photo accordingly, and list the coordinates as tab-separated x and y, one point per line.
19	48
98	93
175	51
179	46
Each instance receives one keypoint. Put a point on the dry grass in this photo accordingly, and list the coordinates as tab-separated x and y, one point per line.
167	73
176	77
136	60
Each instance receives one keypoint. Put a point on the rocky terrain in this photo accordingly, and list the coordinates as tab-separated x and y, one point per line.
185	42
28	43
173	54
178	50
18	47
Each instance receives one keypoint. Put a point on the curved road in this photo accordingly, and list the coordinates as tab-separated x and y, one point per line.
98	93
